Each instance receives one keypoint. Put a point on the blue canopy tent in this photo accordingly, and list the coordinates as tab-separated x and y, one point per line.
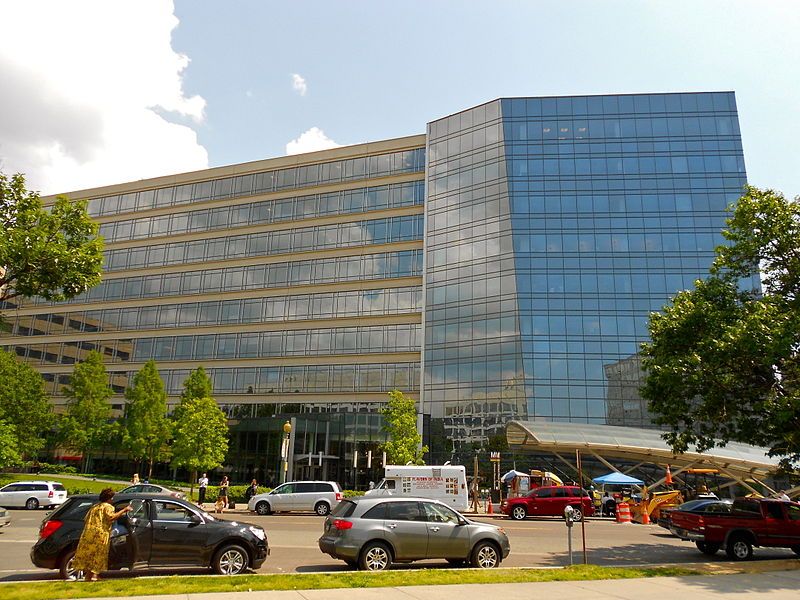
616	478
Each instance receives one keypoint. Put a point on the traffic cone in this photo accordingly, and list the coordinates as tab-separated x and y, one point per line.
645	518
491	508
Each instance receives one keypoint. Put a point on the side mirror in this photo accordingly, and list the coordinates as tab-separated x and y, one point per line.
462	521
196	520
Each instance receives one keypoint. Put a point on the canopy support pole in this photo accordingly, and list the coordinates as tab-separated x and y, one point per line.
740	480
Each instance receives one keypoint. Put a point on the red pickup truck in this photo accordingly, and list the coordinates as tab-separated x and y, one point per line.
751	522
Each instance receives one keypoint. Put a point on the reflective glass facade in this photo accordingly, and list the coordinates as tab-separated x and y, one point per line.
553	227
500	267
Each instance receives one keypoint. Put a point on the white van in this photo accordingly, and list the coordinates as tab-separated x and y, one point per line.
447	484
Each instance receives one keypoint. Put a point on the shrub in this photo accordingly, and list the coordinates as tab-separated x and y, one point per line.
44	467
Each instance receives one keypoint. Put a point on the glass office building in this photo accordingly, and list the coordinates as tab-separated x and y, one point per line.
501	266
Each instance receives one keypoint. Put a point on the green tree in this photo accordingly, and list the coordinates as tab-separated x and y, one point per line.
9	457
55	254
146	427
24	405
400	422
86	426
197	385
723	363
201	436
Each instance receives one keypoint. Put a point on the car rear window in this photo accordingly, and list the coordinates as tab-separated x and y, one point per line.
73	509
345	508
59	488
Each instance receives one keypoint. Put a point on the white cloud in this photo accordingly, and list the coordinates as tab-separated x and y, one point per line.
299	84
309	141
86	108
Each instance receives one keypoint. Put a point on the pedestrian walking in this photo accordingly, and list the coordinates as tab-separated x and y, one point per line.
203	483
91	556
251	490
223	491
135	479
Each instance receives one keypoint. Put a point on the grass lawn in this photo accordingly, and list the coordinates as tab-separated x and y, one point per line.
48	590
74	486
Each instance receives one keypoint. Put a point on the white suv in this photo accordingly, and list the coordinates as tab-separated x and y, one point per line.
32	494
318	496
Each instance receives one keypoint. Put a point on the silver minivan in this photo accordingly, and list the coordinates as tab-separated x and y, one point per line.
318	496
32	494
374	532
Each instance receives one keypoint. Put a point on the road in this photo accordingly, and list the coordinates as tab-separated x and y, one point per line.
293	543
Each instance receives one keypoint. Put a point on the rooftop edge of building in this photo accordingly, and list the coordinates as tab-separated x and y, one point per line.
280	162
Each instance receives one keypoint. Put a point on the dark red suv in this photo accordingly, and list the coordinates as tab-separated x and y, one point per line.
550	501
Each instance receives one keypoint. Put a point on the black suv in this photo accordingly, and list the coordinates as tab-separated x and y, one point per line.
158	532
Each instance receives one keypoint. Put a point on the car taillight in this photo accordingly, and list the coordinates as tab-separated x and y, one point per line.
50	494
341	524
338	496
49	528
701	523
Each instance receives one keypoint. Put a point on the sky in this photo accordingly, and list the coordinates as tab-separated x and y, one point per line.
96	92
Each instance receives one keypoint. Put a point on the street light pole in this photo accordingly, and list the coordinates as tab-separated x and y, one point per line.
287	430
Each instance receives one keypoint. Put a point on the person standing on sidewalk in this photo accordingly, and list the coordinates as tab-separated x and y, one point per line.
223	492
203	483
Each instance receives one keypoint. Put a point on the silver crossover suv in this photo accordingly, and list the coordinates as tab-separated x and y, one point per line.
372	533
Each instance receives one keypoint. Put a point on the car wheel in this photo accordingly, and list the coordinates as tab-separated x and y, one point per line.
32	504
485	556
263	508
66	567
739	548
708	547
322	509
375	557
577	514
230	560
519	512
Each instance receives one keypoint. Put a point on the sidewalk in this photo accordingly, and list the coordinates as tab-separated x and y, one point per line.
775	585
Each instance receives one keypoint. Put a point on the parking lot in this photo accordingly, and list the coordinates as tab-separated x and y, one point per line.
534	543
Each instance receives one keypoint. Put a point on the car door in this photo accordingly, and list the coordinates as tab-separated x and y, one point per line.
793	524
305	493
537	501
447	536
407	530
558	501
11	495
179	534
281	497
131	536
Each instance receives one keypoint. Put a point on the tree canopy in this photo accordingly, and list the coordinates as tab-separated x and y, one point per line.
146	428
400	422
200	436
24	405
54	253
723	363
86	425
9	456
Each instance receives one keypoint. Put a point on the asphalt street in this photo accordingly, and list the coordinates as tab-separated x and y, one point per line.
293	543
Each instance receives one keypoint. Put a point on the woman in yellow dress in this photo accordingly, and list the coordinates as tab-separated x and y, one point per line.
91	557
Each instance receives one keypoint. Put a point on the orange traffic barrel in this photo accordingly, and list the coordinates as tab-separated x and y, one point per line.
623	513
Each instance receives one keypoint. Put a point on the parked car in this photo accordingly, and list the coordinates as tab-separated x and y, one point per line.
699	506
5	518
374	532
550	501
750	522
151	488
158	532
32	494
318	496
